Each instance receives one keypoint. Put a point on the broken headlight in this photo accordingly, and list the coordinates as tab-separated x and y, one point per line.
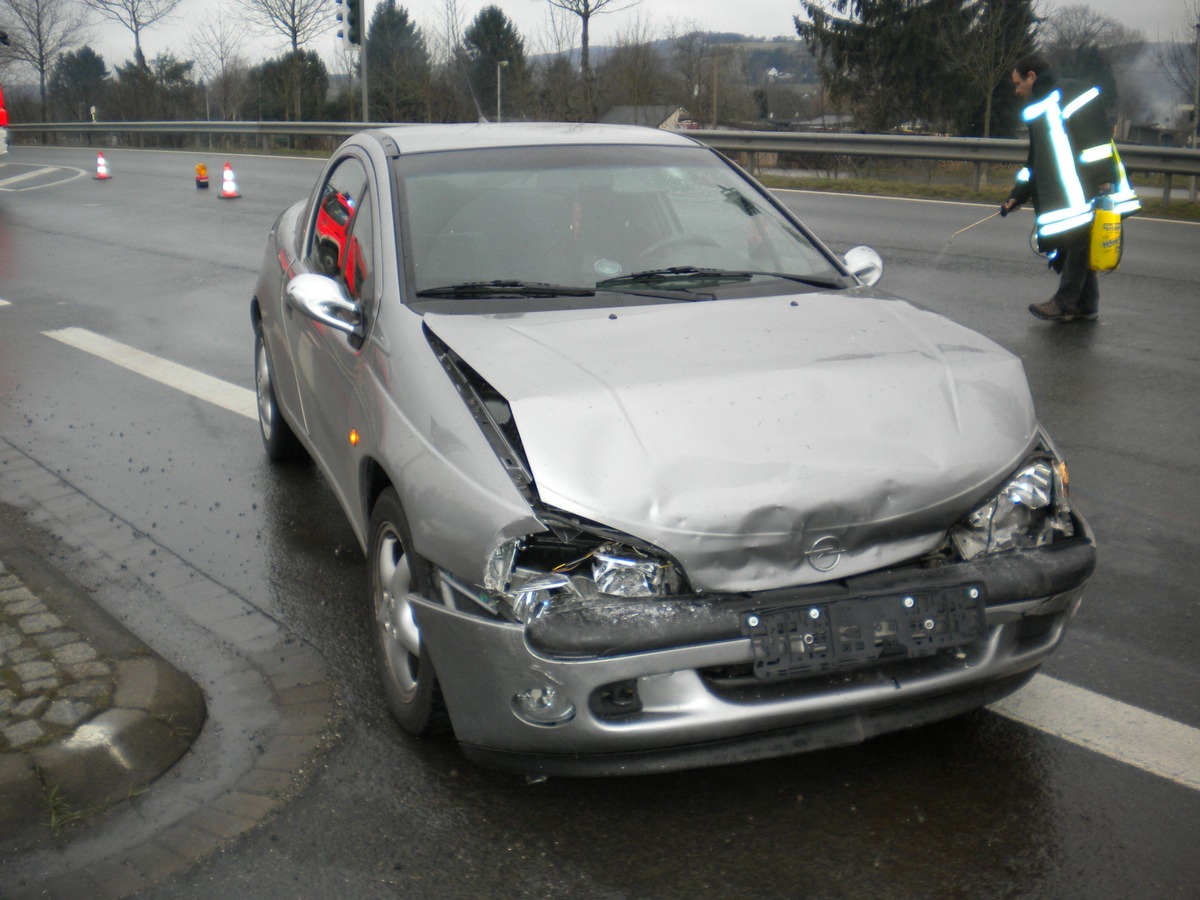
1027	512
531	575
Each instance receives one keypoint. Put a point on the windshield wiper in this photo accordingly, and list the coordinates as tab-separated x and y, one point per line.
664	278
672	275
501	288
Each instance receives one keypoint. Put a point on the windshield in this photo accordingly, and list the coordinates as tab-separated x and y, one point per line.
592	218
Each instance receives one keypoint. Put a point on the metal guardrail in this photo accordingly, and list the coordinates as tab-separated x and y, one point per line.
255	129
1137	158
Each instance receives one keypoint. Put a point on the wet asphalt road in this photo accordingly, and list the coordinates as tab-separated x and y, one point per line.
979	806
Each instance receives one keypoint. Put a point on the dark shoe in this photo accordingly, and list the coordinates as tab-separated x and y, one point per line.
1050	310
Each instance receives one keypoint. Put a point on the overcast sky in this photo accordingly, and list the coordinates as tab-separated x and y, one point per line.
1156	19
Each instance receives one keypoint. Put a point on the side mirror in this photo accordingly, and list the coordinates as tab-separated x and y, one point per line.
864	264
323	300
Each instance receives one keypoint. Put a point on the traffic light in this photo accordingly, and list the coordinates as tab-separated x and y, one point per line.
349	13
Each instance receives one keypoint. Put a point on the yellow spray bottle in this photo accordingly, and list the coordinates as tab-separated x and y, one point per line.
1106	236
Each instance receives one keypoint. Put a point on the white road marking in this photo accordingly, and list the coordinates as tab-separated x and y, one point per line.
189	381
13	179
5	303
49	170
1117	730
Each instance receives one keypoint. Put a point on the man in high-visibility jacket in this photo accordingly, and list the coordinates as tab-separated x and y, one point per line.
1072	161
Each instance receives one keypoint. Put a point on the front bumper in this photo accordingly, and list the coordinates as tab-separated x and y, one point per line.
687	664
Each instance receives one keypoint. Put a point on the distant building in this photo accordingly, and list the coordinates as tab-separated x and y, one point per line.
650	116
827	123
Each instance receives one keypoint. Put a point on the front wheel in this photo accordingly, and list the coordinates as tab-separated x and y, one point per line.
409	682
278	439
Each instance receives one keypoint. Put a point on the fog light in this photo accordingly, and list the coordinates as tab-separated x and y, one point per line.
543	705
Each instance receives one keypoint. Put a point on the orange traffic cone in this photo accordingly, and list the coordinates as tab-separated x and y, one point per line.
201	175
228	186
101	168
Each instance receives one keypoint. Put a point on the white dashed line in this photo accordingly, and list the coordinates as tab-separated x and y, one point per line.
24	176
63	173
189	381
1117	730
1122	732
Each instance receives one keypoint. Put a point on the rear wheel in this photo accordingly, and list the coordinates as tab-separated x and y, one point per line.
278	439
409	682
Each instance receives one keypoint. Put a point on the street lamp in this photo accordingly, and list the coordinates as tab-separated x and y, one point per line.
1196	109
500	66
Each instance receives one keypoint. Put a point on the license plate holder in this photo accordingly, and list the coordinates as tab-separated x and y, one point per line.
826	636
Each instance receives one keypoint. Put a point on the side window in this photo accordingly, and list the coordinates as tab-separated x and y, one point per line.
341	194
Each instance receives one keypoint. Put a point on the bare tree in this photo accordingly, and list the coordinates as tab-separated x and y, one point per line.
450	90
221	65
445	44
633	75
44	29
137	16
585	9
1177	59
559	97
297	21
691	54
1070	27
983	56
559	34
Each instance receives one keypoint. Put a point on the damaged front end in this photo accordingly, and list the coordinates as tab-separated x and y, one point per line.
581	649
568	567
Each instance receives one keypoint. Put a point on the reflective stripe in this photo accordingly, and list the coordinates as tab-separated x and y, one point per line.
1076	220
1125	200
1064	163
1095	154
1058	215
1024	175
1079	102
1127	207
1033	110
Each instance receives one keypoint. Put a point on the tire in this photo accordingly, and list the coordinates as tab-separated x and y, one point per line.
402	659
278	439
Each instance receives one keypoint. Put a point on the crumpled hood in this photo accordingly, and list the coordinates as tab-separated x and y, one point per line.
736	434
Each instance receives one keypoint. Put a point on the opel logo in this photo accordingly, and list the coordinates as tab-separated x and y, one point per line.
825	554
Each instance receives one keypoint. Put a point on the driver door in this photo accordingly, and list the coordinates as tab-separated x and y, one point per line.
328	362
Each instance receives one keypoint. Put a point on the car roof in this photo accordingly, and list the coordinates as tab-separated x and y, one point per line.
491	135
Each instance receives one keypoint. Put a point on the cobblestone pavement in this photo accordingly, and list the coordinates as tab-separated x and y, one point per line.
53	678
99	730
89	715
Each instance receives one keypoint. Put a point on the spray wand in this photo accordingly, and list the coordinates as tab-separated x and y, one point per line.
1000	212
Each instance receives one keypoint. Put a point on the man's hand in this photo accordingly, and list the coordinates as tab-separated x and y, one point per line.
1008	206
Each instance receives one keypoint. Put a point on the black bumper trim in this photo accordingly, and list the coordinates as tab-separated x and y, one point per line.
638	626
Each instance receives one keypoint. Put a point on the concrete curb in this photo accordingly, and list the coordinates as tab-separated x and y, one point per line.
154	714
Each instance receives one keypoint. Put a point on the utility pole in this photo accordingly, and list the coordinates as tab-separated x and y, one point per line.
714	87
1196	107
501	65
362	61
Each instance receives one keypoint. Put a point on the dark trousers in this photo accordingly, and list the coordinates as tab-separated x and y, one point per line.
1078	291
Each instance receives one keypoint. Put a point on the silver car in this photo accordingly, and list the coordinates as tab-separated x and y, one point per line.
647	477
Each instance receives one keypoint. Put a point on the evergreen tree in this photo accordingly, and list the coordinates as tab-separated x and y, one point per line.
885	59
274	84
79	81
398	69
492	41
